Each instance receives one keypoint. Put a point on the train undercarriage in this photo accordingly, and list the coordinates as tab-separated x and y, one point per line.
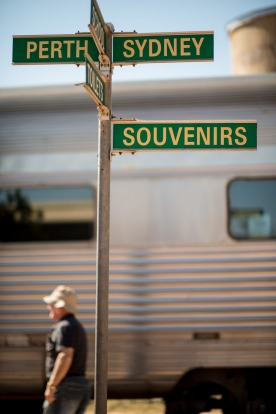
233	391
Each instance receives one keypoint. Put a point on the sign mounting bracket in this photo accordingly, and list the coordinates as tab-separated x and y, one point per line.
104	113
104	64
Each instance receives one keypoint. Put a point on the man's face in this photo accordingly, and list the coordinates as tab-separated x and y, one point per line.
54	313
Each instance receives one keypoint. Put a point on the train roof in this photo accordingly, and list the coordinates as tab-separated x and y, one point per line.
216	91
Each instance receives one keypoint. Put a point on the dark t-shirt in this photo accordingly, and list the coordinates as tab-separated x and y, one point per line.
68	333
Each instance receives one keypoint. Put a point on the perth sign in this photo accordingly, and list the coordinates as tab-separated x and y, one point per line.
47	49
134	135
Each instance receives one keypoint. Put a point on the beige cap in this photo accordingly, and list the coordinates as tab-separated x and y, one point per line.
62	297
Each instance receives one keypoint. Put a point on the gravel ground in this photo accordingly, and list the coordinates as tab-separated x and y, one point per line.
151	406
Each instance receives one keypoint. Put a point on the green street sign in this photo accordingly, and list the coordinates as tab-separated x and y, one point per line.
132	135
133	48
97	26
94	82
45	49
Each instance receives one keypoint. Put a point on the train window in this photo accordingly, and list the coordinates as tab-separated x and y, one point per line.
252	208
47	214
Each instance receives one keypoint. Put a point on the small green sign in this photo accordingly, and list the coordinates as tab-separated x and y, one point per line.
98	26
133	48
134	135
95	82
45	49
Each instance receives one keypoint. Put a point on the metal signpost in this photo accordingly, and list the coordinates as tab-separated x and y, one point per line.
137	135
102	36
109	49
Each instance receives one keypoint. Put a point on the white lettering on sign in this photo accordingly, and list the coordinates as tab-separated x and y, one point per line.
31	48
96	22
43	49
95	83
57	49
166	47
190	136
68	43
80	48
197	45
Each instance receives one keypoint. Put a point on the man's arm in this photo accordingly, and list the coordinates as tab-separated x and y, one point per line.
61	367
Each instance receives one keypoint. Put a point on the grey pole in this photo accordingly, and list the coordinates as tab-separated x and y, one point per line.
102	270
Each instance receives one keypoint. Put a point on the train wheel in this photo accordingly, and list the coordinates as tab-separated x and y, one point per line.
216	396
204	397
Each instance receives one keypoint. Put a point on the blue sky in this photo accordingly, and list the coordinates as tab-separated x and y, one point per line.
34	17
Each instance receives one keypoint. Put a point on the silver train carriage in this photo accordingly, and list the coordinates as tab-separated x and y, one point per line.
192	288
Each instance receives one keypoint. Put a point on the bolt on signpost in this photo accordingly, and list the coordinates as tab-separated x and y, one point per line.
99	50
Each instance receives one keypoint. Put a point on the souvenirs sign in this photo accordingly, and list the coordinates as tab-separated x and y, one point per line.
132	135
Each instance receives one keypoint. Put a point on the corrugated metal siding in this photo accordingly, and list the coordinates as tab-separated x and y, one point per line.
216	290
65	119
159	300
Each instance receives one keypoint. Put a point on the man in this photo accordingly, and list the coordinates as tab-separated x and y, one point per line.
67	390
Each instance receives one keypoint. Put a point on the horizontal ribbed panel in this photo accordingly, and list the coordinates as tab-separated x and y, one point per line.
64	119
169	310
146	291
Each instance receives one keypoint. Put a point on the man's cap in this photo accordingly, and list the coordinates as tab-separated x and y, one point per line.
63	296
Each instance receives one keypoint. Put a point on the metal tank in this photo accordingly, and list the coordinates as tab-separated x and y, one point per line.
252	39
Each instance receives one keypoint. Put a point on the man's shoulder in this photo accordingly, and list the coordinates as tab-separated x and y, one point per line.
70	320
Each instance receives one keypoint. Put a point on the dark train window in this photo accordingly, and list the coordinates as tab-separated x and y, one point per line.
252	208
47	214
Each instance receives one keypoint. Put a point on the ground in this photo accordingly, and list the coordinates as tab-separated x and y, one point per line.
150	406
